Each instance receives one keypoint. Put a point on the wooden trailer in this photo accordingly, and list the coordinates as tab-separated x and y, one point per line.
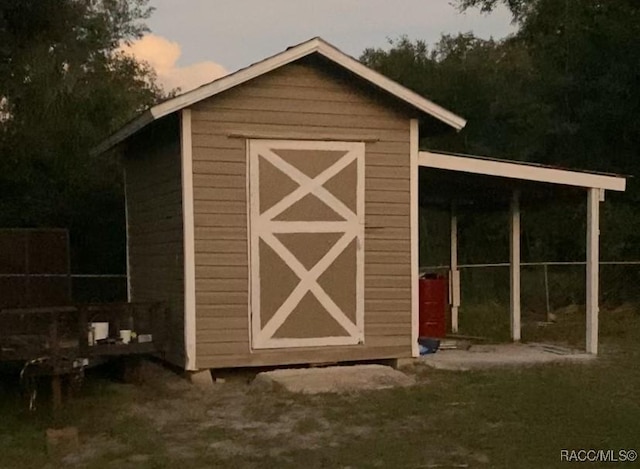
43	332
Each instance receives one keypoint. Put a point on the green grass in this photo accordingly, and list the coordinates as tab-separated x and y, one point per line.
490	419
513	419
101	410
489	320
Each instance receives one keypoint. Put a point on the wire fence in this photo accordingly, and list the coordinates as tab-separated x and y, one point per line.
88	288
552	299
546	286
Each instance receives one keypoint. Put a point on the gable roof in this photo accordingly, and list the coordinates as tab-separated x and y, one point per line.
315	45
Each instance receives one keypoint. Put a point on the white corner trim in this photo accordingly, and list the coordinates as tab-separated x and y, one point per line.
252	250
515	170
188	241
315	45
414	138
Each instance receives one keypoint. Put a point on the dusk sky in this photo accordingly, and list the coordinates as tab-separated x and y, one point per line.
196	41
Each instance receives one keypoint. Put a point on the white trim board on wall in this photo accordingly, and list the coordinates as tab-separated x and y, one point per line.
186	154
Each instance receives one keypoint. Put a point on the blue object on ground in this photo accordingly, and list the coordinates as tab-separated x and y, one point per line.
427	345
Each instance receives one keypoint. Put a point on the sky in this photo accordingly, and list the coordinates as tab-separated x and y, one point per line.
196	41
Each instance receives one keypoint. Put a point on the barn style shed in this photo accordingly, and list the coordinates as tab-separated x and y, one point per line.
276	211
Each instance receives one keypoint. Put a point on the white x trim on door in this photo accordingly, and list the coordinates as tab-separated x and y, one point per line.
263	226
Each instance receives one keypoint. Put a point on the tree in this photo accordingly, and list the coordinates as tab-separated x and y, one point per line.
562	90
486	81
519	8
64	85
585	54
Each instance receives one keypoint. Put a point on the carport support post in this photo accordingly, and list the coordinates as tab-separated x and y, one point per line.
593	233
454	274
515	267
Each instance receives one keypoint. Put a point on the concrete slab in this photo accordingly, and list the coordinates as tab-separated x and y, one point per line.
503	355
333	379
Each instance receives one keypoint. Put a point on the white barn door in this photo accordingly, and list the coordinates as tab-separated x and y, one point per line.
306	224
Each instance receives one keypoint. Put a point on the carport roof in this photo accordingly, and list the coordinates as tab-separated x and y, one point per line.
521	170
489	183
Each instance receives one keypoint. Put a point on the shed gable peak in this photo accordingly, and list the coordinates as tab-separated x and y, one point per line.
315	45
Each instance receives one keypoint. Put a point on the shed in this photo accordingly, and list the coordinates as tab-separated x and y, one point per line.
276	211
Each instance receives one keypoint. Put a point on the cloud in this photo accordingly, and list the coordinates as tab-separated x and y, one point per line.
163	56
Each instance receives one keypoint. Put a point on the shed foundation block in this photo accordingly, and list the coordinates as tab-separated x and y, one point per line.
201	378
401	363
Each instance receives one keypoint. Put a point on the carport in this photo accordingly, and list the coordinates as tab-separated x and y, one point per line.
450	180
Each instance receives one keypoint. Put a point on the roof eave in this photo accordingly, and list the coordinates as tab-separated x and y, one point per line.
144	119
290	55
392	87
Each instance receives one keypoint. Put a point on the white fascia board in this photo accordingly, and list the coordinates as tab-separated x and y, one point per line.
218	86
295	53
235	79
521	171
391	86
260	68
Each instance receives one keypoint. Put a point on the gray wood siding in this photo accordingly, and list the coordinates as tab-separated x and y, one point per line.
154	212
297	102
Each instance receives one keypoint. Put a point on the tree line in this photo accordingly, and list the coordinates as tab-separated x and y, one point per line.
561	90
65	85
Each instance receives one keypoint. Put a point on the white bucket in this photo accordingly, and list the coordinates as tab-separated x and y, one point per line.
125	335
100	330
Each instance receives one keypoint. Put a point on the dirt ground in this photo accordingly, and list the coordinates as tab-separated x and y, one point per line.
497	418
164	421
231	420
